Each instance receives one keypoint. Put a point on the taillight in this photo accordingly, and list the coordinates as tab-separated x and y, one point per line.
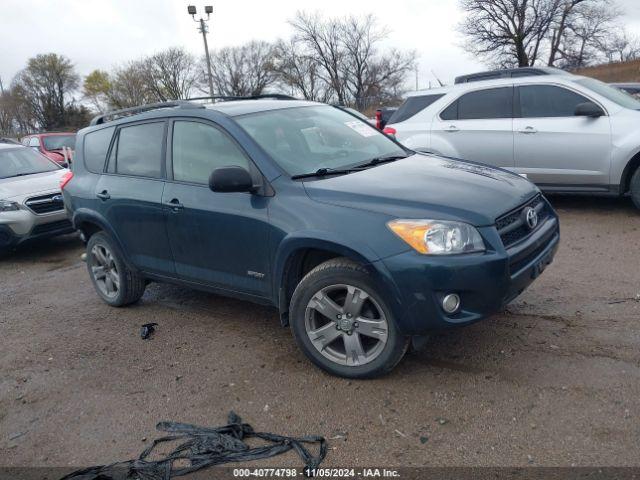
379	119
390	131
66	178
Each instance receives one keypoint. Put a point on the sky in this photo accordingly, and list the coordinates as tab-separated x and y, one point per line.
107	33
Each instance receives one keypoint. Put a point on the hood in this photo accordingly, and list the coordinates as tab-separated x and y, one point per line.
427	186
18	187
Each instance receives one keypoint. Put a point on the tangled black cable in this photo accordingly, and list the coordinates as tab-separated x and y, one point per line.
203	447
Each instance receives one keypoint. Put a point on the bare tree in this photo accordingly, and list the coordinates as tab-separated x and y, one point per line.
244	70
299	72
621	47
171	74
349	60
323	40
48	82
129	86
508	32
588	29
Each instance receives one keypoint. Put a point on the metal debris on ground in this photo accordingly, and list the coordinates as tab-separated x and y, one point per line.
147	329
202	447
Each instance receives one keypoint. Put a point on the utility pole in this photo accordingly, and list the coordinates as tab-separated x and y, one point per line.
204	29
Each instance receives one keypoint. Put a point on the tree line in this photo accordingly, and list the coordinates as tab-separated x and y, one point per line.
568	34
337	60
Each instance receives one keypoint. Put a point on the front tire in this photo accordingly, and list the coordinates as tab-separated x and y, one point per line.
635	188
114	282
342	323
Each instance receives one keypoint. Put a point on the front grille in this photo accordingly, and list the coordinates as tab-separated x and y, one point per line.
51	227
512	228
42	204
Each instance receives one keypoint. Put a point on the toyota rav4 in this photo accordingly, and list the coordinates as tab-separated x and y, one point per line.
361	243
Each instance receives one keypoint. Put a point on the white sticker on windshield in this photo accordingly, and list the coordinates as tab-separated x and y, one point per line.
362	128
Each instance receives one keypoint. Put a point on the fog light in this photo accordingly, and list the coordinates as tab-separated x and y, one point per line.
451	303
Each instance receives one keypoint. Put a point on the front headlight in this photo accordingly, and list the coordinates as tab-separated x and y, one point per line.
8	206
438	237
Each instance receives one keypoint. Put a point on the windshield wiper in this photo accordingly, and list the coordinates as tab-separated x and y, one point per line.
378	160
323	172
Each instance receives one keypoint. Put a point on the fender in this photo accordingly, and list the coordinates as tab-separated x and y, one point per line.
82	215
629	167
321	240
336	243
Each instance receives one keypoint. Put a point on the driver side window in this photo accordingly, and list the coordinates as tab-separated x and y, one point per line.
198	149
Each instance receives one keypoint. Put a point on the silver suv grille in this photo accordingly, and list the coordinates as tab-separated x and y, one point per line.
512	227
52	202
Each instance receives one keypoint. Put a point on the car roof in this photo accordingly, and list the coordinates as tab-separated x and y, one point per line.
497	82
627	84
234	108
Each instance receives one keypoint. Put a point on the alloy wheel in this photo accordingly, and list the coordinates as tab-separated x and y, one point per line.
105	271
346	325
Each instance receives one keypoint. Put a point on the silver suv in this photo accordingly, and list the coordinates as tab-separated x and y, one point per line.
31	204
567	133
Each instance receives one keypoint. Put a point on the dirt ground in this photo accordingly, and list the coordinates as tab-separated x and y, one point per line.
553	380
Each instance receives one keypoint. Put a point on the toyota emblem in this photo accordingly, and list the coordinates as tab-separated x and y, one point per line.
530	217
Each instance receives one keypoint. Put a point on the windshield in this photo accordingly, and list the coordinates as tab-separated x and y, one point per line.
610	93
23	161
56	142
306	139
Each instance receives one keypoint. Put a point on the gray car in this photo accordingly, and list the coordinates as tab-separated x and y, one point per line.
565	132
31	204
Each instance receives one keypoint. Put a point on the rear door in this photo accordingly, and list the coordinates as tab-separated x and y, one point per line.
218	239
130	195
553	147
478	126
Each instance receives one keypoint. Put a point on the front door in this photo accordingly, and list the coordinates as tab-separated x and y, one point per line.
218	239
555	148
129	196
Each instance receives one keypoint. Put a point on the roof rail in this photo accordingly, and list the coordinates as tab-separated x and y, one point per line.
509	73
124	112
274	96
99	119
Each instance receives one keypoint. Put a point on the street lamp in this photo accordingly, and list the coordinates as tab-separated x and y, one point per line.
204	29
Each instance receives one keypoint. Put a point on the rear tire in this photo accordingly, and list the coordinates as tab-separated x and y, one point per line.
342	324
114	282
635	188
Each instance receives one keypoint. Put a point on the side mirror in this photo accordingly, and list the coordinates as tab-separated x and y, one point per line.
231	179
588	109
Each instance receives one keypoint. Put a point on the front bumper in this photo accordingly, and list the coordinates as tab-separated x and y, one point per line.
19	226
485	281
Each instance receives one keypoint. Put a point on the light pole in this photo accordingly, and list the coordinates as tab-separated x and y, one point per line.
204	29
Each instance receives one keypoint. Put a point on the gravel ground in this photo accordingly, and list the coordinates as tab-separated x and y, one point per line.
553	380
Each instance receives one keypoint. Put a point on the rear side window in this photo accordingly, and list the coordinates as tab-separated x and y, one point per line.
486	104
412	106
198	149
538	101
138	150
96	145
483	104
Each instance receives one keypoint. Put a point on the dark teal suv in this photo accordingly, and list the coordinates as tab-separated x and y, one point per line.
360	243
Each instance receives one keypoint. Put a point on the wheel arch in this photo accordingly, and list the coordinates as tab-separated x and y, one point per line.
89	223
632	165
299	254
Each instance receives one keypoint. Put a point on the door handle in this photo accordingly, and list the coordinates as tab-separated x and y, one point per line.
451	129
103	195
528	130
175	205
